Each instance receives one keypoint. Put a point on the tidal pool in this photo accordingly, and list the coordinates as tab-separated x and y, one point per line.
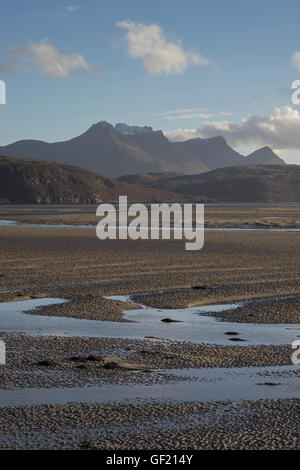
208	385
4	222
203	384
192	325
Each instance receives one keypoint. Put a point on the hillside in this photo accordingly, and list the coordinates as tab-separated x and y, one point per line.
257	183
122	150
262	156
38	181
147	179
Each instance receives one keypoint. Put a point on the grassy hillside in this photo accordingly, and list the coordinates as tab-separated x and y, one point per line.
253	183
40	181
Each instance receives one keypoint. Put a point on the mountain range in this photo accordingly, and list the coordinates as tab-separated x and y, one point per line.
38	181
254	183
121	150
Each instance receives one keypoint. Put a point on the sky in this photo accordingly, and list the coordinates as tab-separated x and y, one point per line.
193	68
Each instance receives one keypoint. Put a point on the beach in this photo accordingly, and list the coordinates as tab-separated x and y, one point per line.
253	275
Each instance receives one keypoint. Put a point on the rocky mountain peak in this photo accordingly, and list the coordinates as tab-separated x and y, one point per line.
131	130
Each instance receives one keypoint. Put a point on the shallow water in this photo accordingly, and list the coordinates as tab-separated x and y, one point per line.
204	384
211	384
146	321
4	222
8	222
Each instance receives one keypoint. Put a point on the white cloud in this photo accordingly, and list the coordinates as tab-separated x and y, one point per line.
67	10
50	60
281	130
180	111
72	8
189	116
190	113
295	60
179	135
11	67
159	56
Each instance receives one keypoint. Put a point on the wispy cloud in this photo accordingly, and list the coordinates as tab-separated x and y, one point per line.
182	134
67	10
180	111
295	60
280	130
11	67
49	59
189	116
190	113
72	8
148	43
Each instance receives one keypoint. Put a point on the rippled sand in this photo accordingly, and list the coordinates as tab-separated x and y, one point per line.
73	264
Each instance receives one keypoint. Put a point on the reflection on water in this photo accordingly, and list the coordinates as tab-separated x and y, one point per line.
8	222
4	222
146	321
204	384
211	384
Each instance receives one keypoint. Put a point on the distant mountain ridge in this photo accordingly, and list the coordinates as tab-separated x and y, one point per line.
148	179
121	150
131	130
254	183
39	181
262	156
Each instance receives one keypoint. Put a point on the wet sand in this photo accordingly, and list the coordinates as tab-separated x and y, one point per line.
67	362
73	264
247	425
220	215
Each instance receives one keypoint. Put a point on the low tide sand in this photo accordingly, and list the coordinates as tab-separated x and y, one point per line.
73	264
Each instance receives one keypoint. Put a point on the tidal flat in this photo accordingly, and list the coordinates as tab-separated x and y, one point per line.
259	270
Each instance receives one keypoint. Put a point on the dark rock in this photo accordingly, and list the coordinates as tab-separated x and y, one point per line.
170	320
46	363
76	359
269	383
87	444
94	358
85	359
111	365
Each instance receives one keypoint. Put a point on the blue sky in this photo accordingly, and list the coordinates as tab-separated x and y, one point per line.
189	67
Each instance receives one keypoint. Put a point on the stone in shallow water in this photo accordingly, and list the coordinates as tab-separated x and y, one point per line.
116	363
269	383
170	320
196	327
46	363
94	358
237	339
91	358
